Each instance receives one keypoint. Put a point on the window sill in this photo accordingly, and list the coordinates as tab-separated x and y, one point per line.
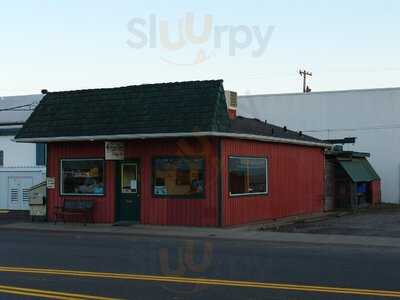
179	197
247	195
86	195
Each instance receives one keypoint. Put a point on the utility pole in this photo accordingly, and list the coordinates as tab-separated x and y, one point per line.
304	74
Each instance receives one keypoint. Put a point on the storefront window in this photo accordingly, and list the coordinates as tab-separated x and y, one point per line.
82	177
247	175
178	176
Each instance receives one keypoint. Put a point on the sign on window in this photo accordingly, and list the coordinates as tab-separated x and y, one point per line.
114	150
50	182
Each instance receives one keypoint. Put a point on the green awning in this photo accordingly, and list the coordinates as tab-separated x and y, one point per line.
359	170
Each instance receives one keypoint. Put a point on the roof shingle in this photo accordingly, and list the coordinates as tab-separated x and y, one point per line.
150	108
257	127
179	107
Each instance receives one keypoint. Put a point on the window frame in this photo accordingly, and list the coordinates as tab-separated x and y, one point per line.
41	154
196	196
61	184
121	183
266	193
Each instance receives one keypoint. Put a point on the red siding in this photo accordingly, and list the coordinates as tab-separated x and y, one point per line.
104	208
162	211
295	179
232	113
190	212
376	192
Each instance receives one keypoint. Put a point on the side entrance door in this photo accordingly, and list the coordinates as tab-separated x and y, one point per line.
329	186
127	206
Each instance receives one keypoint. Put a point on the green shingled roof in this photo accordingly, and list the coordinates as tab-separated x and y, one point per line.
157	110
142	109
359	170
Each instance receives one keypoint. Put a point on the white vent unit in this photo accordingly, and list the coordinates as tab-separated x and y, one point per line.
231	99
25	195
14	195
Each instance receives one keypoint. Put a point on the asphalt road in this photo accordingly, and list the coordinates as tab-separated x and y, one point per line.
39	263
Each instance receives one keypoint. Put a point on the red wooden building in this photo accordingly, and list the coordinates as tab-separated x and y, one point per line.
173	154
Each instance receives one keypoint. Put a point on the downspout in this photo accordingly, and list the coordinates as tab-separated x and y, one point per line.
47	175
219	184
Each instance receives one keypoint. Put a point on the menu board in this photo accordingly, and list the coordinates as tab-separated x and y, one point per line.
114	150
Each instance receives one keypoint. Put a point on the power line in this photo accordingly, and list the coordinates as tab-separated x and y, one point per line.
378	127
19	108
262	76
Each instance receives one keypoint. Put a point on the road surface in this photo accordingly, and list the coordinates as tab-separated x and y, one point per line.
62	265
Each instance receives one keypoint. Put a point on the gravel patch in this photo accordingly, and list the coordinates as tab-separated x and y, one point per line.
369	223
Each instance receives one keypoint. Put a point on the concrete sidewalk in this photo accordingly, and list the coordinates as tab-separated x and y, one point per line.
234	234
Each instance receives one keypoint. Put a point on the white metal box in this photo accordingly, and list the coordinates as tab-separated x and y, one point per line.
37	200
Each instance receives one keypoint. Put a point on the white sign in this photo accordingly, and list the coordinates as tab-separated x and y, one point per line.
51	182
114	150
133	184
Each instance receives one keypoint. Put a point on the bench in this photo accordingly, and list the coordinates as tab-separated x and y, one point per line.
75	207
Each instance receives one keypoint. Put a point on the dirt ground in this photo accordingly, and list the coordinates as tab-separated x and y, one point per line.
385	223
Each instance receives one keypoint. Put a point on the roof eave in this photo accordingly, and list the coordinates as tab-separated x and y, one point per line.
172	135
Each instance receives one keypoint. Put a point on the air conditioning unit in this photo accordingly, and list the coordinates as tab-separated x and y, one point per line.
231	99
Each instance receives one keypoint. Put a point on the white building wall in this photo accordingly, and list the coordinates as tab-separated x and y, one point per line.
373	116
19	179
19	171
17	154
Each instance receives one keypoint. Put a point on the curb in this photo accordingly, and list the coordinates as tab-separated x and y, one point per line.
261	237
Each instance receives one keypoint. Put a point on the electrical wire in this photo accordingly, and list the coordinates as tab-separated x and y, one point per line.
19	108
379	127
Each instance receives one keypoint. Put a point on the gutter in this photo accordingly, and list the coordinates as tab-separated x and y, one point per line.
242	136
9	131
11	123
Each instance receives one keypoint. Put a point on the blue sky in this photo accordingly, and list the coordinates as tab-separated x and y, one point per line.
63	45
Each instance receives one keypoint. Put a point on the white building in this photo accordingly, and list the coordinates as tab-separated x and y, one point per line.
21	165
371	115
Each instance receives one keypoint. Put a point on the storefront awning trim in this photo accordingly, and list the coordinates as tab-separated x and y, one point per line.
171	135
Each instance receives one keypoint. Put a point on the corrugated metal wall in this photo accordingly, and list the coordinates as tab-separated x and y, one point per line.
104	207
376	192
169	211
295	179
162	211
